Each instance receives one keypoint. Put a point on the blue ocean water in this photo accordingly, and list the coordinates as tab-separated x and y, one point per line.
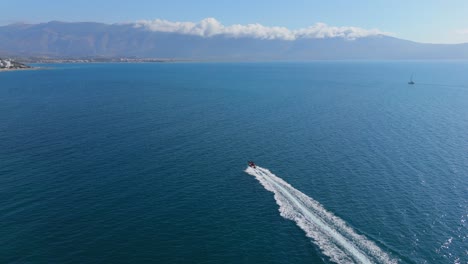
146	163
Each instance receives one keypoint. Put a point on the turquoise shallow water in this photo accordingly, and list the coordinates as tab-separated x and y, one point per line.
144	163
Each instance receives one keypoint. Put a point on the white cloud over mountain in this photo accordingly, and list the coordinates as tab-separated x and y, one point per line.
462	31
209	27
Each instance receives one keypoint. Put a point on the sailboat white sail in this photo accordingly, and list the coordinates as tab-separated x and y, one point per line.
411	80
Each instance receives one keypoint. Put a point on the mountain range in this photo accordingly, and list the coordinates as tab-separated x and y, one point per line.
88	39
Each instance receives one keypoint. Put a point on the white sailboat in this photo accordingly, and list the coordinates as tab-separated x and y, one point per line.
411	80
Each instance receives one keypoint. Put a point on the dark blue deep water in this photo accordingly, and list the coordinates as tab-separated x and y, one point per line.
144	163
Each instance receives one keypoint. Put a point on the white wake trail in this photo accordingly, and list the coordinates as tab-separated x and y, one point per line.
331	234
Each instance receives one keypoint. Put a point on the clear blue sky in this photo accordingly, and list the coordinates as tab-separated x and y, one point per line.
435	21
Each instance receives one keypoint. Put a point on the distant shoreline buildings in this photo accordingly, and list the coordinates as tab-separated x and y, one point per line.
95	60
9	64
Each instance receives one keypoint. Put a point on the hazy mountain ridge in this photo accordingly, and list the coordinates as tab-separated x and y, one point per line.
88	39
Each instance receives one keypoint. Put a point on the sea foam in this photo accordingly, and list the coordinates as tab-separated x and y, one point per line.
331	234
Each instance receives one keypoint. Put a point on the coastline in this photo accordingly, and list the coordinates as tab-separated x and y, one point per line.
21	69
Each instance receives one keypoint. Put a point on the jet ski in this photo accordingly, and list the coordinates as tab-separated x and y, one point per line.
252	164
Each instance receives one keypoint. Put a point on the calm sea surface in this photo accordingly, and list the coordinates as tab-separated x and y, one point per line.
145	163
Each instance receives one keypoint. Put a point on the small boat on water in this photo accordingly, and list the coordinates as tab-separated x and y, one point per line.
411	82
252	164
